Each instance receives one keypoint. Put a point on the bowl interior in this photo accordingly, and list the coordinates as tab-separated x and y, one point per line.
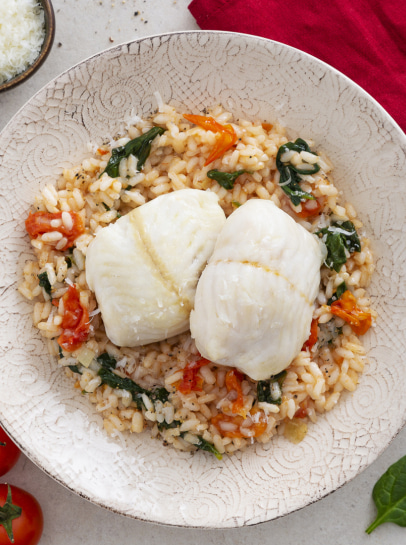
257	79
45	49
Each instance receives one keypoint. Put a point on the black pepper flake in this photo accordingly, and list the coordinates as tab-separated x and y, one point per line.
60	44
136	13
145	22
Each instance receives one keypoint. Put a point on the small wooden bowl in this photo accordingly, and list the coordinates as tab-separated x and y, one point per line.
45	49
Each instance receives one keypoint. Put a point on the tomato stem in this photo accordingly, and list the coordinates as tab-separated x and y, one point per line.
8	513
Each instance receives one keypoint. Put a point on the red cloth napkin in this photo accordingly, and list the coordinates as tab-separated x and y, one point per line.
363	39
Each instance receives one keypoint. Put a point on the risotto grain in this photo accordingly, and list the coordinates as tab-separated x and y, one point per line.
138	389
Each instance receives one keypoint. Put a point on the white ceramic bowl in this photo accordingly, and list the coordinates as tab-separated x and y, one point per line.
55	425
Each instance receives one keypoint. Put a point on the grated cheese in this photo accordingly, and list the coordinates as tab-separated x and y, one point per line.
22	32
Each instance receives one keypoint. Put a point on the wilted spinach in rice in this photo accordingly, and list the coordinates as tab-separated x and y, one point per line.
166	387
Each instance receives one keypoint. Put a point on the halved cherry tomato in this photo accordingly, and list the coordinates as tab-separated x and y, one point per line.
257	427
224	142
233	382
302	410
346	308
311	341
39	223
21	520
9	453
75	321
191	381
310	208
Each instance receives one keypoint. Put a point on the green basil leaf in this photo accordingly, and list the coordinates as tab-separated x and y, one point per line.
389	495
140	147
225	179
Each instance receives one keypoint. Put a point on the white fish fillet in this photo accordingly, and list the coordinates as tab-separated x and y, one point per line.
144	268
254	301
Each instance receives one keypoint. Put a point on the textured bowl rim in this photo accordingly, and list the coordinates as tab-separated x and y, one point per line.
45	48
384	114
127	43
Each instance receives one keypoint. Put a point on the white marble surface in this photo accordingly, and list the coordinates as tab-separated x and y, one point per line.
84	27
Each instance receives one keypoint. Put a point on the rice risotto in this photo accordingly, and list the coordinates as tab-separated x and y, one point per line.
200	417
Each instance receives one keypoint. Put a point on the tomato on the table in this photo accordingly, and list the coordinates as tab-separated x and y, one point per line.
9	453
21	517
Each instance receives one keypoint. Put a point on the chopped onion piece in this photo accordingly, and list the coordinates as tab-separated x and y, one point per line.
85	356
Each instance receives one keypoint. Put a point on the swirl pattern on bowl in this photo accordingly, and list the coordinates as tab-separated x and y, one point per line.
256	78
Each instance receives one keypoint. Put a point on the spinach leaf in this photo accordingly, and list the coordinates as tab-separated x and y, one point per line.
202	444
159	394
140	147
270	391
165	426
350	235
208	447
389	495
289	174
225	179
341	288
45	283
114	381
107	361
75	369
339	237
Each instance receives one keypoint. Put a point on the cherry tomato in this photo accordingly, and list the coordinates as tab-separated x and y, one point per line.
9	453
21	519
227	137
75	321
41	222
346	308
233	383
311	208
311	341
191	381
257	427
